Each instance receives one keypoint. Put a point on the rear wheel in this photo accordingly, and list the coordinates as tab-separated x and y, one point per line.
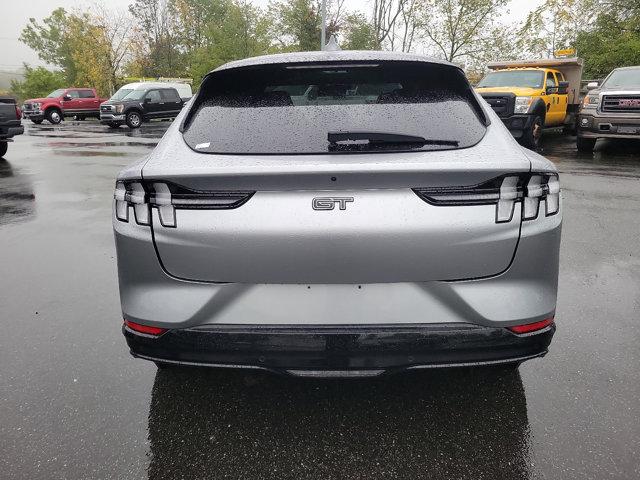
54	116
37	121
585	144
134	119
531	136
3	148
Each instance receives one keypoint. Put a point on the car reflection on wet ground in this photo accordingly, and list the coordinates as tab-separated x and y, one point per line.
73	404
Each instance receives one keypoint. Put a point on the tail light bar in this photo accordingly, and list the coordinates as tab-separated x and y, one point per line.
166	197
504	192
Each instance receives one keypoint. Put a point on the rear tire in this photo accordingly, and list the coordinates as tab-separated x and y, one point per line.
3	148
531	136
53	116
37	121
134	119
585	144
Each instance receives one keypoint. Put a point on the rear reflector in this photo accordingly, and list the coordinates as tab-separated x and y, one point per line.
532	327
136	327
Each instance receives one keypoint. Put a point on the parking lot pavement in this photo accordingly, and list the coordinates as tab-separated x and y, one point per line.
74	404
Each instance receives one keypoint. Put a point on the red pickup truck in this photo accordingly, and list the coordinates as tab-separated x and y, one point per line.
64	102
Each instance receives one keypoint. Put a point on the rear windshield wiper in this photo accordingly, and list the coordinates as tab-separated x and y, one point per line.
374	140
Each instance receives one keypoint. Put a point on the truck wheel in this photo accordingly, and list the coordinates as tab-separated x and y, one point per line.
585	144
134	119
37	121
3	148
531	136
54	116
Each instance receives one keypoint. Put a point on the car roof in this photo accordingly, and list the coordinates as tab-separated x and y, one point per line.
331	56
631	67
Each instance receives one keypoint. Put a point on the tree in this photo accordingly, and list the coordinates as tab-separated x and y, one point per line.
89	48
116	28
391	17
218	31
297	23
613	41
555	25
460	30
156	42
358	33
49	40
38	82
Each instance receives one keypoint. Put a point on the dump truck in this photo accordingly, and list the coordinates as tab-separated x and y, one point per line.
531	95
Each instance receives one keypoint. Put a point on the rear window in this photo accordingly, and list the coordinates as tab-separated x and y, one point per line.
338	107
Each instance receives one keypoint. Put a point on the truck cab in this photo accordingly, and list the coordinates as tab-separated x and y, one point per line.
143	103
532	95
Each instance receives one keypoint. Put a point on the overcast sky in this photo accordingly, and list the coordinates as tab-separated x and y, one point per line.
16	14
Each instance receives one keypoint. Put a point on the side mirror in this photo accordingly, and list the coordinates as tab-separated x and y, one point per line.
66	98
563	88
147	100
592	85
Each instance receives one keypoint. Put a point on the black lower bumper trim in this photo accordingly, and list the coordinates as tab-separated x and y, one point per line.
8	132
518	124
361	351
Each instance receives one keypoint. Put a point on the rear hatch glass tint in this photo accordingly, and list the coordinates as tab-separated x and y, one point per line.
338	107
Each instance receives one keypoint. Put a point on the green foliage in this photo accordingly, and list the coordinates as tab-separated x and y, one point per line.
49	40
38	82
359	33
76	43
297	24
612	42
158	53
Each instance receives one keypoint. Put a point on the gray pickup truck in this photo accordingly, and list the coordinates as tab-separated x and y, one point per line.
610	110
10	122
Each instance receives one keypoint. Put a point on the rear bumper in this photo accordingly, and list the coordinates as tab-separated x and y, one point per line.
328	351
8	132
608	126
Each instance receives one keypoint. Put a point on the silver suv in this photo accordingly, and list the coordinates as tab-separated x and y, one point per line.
338	213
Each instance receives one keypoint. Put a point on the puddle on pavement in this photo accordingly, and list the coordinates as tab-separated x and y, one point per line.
17	198
619	157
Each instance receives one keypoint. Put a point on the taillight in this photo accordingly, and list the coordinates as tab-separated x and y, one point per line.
504	192
532	327
18	113
167	197
146	329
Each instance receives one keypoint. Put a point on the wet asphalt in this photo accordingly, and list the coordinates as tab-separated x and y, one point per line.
75	405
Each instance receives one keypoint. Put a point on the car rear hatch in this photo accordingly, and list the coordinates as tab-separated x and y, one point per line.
309	179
